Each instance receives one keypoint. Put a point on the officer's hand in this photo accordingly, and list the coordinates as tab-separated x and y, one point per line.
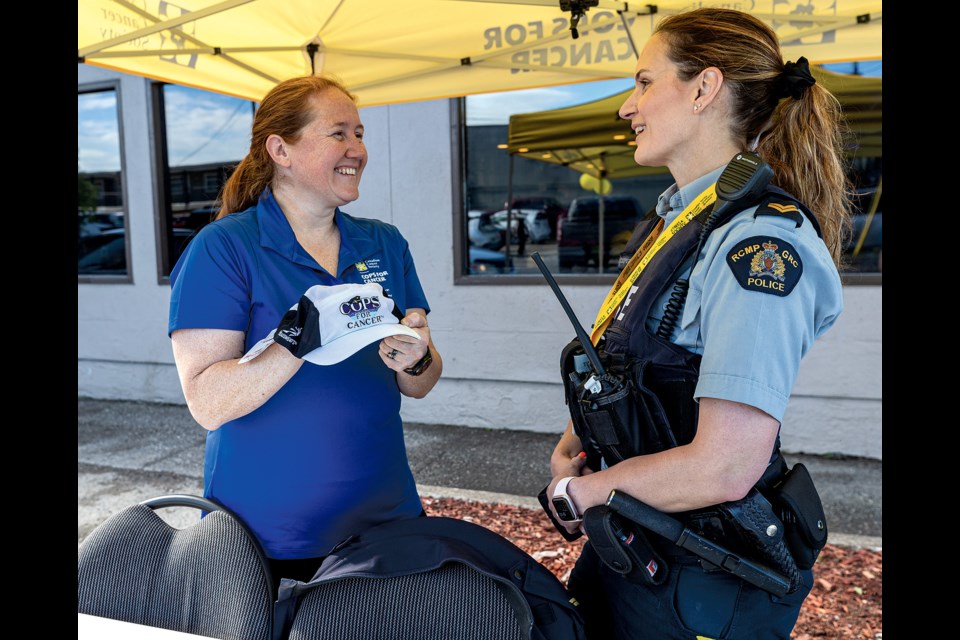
573	469
566	459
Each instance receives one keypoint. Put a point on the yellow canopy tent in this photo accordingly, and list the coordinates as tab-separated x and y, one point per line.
592	139
389	51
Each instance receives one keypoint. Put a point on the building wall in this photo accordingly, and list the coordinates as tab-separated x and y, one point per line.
500	344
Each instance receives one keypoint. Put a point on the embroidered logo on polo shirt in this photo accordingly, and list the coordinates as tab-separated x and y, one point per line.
361	266
767	265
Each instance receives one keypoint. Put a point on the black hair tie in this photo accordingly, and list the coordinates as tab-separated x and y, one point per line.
795	79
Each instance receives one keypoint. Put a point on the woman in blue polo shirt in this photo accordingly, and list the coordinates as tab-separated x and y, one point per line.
305	454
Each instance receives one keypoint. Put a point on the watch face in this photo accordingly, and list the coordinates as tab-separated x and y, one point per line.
565	510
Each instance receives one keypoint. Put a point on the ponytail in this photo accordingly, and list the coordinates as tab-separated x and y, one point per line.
244	186
796	122
804	146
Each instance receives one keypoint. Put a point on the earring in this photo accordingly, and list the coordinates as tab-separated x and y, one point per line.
696	106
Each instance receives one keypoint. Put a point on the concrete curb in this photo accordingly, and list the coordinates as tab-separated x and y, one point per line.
871	543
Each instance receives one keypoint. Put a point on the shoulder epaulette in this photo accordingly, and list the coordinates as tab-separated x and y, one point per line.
783	205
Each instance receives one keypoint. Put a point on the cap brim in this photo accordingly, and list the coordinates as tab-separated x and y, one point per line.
342	348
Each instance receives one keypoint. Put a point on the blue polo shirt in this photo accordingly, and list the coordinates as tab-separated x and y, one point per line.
751	338
323	458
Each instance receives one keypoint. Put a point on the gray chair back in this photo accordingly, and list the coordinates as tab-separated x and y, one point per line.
209	579
453	602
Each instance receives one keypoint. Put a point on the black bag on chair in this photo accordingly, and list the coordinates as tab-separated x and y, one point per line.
428	578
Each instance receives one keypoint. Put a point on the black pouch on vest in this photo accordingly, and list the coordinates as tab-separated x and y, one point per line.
623	547
805	523
615	415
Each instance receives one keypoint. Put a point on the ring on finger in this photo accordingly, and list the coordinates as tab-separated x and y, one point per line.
393	354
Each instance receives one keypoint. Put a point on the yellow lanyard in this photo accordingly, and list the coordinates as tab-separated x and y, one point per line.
642	257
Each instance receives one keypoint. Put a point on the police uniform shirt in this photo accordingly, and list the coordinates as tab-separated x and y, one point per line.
761	292
324	457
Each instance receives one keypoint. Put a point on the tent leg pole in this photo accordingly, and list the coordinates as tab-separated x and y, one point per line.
600	241
509	207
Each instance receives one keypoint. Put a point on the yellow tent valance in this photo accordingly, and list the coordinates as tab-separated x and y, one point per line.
389	51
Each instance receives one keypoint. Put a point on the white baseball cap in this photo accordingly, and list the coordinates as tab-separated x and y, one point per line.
331	323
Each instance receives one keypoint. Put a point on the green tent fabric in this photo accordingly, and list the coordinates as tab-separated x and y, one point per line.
592	139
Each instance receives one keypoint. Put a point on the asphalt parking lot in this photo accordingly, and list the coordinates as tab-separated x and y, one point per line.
131	451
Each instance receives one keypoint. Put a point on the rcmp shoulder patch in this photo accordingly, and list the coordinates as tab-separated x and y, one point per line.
765	264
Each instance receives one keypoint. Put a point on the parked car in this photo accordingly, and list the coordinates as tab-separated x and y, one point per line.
535	221
579	231
487	261
195	218
482	232
92	224
106	253
550	207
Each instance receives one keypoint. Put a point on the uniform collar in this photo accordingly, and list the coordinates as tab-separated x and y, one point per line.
356	243
673	201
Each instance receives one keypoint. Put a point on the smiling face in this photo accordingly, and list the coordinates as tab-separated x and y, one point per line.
323	167
661	110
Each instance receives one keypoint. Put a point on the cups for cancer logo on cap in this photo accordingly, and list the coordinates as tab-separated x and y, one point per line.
331	323
358	305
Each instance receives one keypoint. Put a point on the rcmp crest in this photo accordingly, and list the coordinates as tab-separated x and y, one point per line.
768	263
765	265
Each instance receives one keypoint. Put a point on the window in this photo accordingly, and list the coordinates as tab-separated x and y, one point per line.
101	220
552	213
203	136
516	200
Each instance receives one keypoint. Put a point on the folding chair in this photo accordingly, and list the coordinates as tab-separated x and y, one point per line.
209	579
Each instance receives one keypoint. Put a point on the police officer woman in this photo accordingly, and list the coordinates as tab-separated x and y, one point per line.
762	286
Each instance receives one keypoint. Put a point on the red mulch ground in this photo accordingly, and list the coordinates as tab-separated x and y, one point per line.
846	601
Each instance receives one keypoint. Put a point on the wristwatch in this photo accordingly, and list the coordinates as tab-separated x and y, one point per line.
420	365
563	503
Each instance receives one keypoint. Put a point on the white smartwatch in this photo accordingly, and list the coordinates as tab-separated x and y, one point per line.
563	503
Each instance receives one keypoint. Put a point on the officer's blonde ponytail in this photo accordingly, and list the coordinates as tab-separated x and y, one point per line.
795	123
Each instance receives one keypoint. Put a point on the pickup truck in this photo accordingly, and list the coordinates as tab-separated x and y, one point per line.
578	232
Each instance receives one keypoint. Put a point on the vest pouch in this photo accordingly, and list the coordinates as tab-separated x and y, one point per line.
615	415
801	511
657	434
573	373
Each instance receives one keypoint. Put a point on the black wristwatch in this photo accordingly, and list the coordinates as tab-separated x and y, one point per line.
563	503
420	365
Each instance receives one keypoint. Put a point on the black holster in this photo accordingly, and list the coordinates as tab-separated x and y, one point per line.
623	546
798	504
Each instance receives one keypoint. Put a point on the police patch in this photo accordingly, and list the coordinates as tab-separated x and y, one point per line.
765	264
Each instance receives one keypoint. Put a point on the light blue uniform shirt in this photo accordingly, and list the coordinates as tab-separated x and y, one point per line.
751	341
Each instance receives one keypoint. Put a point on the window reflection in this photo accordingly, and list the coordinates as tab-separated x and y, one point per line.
534	200
101	219
205	135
